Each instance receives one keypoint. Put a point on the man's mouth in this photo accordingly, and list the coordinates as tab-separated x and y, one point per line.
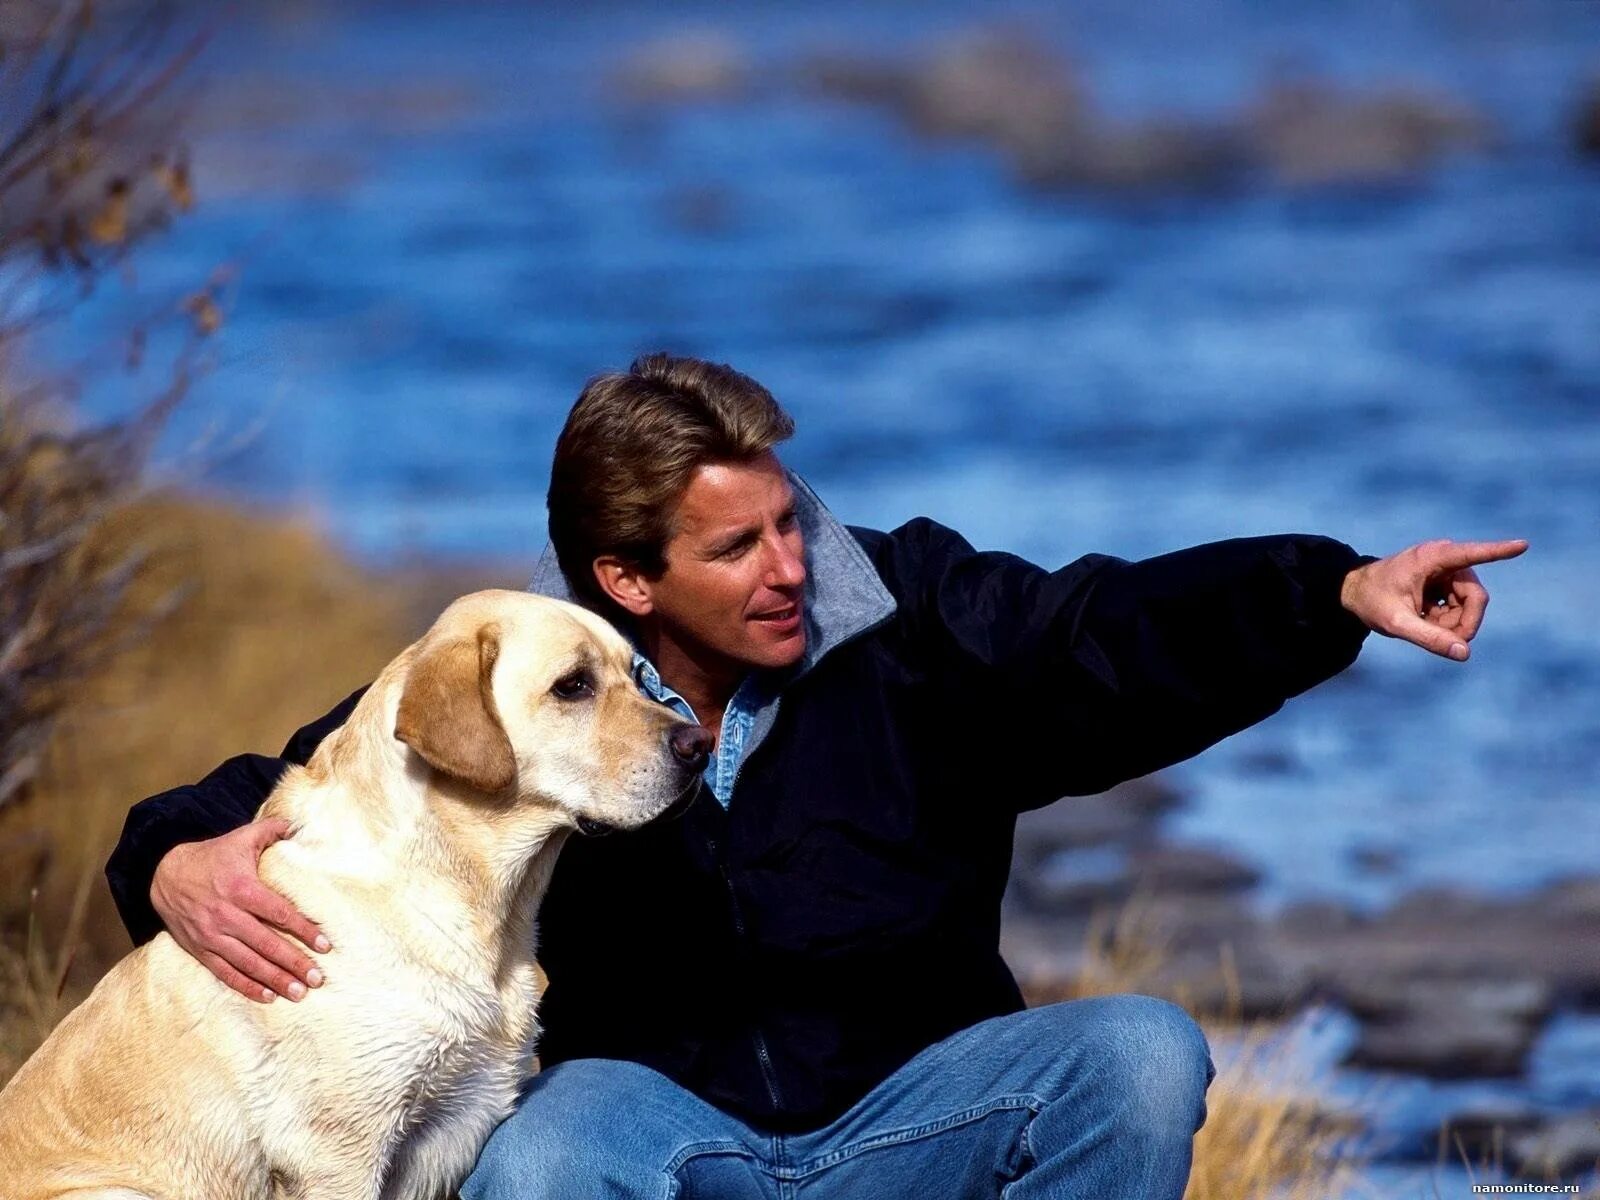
778	617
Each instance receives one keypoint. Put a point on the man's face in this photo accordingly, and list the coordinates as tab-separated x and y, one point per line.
735	576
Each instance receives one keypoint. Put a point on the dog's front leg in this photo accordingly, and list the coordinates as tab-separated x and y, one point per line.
336	1176
330	1170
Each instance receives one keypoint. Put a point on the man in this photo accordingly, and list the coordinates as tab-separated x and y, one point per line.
797	986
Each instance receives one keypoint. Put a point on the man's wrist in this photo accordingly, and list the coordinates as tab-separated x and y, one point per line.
1347	588
168	863
1351	583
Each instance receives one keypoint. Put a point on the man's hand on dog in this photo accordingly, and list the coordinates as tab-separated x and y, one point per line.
1428	594
215	906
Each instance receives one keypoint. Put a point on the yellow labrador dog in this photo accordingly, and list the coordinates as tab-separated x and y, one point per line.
427	828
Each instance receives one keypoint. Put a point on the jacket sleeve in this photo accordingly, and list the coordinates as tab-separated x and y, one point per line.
221	802
1108	669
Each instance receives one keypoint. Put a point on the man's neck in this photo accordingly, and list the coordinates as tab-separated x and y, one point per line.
707	681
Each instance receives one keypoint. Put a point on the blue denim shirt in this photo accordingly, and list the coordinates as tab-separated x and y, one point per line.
737	721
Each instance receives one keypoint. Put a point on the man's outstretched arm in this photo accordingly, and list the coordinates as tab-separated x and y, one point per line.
1115	669
186	862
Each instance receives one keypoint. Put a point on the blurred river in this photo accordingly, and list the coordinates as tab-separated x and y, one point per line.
443	225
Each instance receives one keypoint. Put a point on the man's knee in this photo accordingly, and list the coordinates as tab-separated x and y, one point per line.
1145	1059
534	1153
586	1127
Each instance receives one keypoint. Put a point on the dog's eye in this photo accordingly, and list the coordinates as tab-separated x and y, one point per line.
577	686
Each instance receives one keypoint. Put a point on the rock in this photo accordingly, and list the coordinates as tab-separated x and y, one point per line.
1150	796
706	208
1447	1029
849	77
1451	934
1125	815
1455	1046
1586	121
1202	921
1075	878
1308	918
704	65
1151	155
1571	900
1242	983
1077	822
1000	85
1074	881
1191	869
1381	999
1045	956
1373	859
1480	1135
1562	1149
1270	761
1432	906
1308	133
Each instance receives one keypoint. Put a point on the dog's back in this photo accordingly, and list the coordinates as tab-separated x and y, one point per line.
116	1054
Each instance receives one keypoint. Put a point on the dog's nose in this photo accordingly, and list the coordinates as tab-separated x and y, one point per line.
691	745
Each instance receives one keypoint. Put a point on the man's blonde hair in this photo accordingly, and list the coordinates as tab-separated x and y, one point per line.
629	446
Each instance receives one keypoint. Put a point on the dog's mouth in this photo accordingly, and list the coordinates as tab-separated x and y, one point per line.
683	803
590	827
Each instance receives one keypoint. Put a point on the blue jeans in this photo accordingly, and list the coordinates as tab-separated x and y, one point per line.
1089	1100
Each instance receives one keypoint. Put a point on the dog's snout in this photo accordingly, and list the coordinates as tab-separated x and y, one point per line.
691	745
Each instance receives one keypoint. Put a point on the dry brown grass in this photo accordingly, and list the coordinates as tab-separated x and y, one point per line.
274	628
1267	1135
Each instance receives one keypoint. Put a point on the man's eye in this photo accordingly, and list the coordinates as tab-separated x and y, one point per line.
577	686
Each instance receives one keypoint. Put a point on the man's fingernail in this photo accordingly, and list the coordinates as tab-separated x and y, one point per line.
323	944
314	977
297	990
268	995
1459	651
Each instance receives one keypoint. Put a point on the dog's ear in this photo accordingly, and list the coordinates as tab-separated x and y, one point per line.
448	715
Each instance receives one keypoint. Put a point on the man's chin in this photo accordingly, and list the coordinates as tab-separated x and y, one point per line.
776	653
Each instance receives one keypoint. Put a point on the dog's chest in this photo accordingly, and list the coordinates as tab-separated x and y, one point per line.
478	1055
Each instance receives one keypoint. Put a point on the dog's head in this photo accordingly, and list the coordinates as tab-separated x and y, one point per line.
532	700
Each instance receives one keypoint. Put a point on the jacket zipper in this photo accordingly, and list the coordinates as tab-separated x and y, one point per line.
763	1055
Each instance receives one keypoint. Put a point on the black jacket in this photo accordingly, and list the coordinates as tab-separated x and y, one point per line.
781	957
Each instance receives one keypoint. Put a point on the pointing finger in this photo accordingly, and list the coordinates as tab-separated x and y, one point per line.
1452	556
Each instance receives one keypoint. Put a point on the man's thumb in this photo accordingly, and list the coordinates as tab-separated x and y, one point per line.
1446	643
269	830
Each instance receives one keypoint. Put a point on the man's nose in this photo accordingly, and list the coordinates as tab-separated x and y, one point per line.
691	745
785	568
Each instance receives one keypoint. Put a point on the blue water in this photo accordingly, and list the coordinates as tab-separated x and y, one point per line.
441	225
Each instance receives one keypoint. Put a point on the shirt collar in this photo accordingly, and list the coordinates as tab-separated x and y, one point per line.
844	594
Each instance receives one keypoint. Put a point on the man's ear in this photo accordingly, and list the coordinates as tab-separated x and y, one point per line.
448	715
625	584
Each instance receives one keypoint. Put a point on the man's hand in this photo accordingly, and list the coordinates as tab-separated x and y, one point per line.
1428	595
215	906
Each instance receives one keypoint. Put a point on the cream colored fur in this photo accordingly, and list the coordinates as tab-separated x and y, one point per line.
384	1083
